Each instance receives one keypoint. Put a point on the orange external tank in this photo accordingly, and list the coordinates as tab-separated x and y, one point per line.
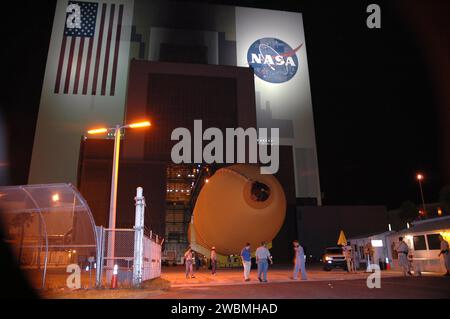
236	206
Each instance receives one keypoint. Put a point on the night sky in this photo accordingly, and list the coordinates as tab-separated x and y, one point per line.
377	107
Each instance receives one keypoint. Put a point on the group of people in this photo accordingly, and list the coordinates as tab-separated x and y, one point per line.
405	259
263	258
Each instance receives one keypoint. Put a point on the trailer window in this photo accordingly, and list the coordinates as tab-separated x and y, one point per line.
433	242
419	243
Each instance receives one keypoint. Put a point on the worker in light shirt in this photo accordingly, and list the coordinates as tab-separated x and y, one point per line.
402	251
263	257
299	261
445	253
347	251
189	261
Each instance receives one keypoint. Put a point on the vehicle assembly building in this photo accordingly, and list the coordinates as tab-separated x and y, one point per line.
114	62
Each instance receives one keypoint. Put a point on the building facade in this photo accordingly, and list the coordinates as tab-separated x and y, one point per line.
88	66
114	62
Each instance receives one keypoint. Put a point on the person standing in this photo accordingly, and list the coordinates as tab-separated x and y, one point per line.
246	258
347	251
213	260
197	261
445	253
402	251
263	258
355	258
369	252
189	261
299	260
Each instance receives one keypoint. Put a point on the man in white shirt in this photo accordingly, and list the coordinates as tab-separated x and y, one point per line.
189	261
263	258
445	253
402	251
347	251
299	261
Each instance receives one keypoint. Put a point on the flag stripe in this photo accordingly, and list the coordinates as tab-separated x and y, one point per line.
99	49
108	48
78	70
69	65
88	66
116	51
89	55
64	66
60	64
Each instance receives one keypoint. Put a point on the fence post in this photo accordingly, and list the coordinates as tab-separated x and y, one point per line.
99	260
138	237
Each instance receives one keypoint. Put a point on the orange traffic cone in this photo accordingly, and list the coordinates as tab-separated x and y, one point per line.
114	277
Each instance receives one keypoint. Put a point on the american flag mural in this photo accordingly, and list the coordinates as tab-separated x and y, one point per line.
89	51
85	82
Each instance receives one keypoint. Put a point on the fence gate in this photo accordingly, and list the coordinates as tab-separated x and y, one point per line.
152	258
136	255
123	255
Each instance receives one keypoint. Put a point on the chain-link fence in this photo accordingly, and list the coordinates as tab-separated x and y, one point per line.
152	258
118	249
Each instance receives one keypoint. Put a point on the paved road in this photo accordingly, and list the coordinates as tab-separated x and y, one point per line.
410	287
277	274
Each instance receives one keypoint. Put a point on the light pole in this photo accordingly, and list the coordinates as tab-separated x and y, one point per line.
114	177
419	177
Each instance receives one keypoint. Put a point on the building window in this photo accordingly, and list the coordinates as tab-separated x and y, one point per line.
419	243
433	242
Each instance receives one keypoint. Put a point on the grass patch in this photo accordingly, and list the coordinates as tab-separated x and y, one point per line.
149	287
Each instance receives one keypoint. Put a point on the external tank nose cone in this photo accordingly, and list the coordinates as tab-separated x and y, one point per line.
238	205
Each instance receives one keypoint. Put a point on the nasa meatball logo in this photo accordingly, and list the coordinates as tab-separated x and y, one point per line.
273	60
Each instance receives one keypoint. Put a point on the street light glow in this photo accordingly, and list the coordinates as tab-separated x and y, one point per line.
55	197
140	124
420	177
98	130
